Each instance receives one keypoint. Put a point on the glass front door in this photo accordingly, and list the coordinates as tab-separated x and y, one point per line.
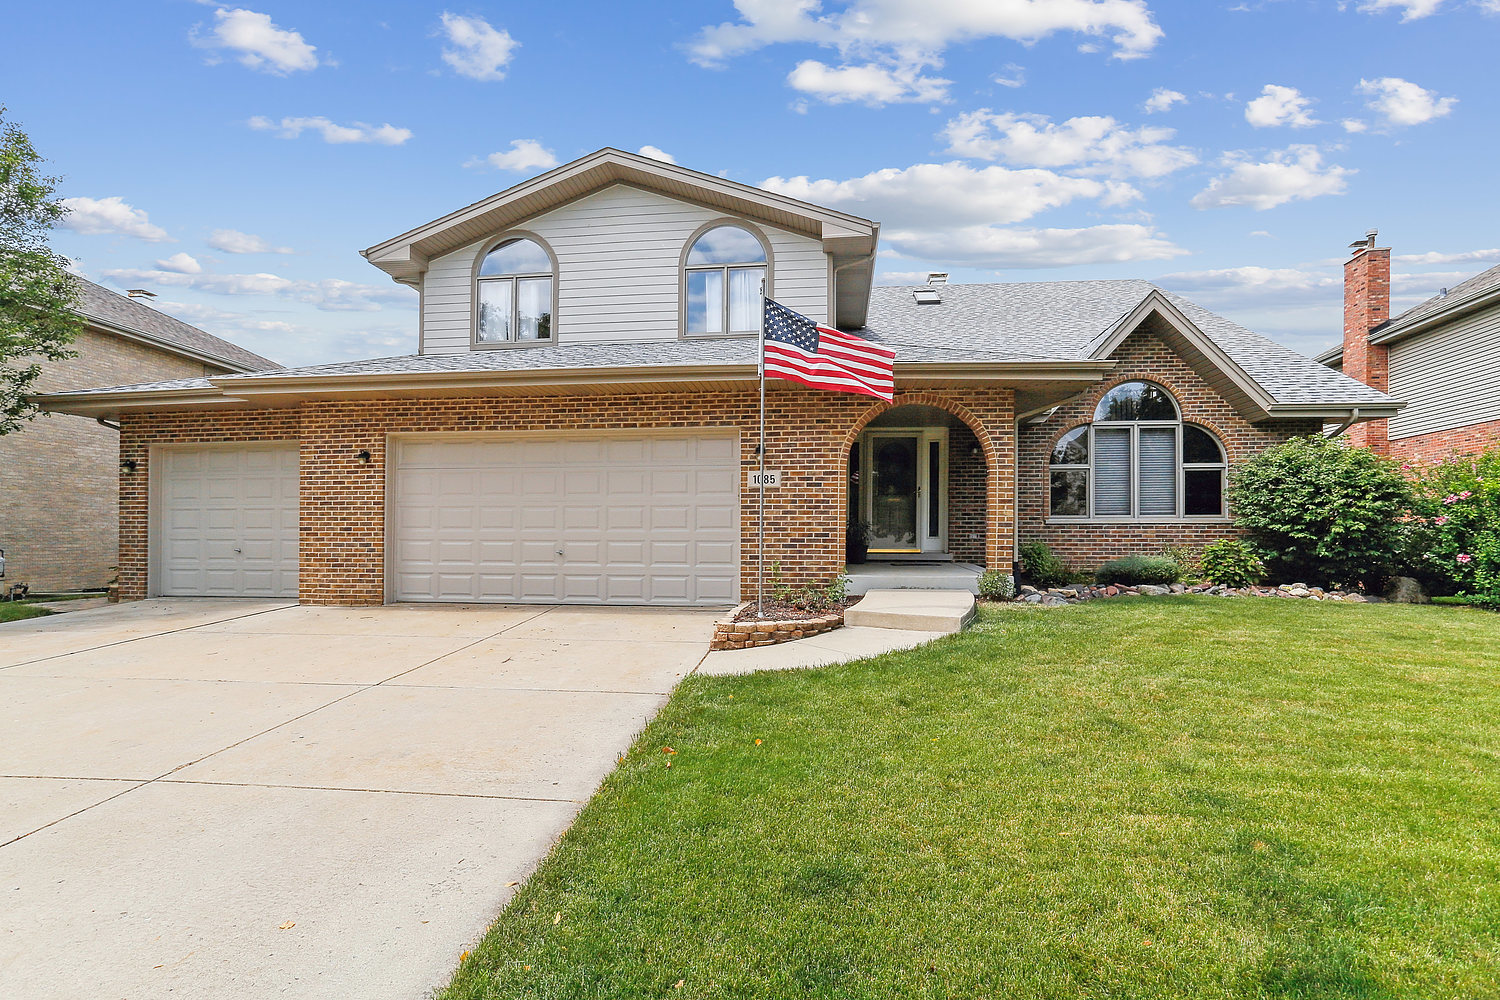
894	492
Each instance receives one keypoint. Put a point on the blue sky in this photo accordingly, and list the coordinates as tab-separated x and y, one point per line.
235	159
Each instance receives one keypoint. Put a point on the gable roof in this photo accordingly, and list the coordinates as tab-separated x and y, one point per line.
133	319
850	239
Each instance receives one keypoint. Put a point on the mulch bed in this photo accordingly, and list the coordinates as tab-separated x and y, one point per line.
778	612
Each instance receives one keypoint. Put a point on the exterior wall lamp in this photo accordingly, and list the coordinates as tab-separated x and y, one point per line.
363	456
128	464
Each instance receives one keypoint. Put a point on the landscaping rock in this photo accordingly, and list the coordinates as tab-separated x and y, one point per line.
1152	590
1405	590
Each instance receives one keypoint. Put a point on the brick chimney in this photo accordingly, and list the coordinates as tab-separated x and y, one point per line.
1367	304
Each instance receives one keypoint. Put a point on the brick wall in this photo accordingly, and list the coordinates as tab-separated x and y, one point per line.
967	482
1438	445
58	511
1143	355
1367	304
342	519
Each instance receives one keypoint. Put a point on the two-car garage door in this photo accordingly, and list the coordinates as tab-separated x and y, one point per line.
619	519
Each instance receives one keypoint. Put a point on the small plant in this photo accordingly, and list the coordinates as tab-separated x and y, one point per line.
1231	563
814	599
1189	560
1041	567
996	585
1158	570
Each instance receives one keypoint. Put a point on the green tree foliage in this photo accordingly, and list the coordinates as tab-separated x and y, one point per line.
1322	512
1453	544
37	294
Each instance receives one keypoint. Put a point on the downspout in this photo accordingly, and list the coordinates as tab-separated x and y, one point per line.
106	423
1341	428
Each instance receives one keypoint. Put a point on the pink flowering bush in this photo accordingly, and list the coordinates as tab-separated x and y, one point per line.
1454	531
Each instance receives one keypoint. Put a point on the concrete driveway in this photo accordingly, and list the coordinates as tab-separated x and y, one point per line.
213	798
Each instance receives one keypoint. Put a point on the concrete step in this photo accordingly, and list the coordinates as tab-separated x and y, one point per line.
875	576
914	610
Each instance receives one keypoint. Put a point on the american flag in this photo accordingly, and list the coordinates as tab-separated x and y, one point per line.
799	350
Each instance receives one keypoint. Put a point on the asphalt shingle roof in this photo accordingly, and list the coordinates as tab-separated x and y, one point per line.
104	306
1023	321
1482	282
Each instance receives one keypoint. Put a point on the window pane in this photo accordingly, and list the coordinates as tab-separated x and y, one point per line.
1112	472
516	257
1199	447
1158	476
534	309
726	245
1070	493
744	299
494	311
1203	492
934	489
1136	401
705	303
1072	448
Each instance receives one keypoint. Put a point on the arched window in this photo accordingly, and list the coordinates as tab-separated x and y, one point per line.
1137	461
515	282
723	273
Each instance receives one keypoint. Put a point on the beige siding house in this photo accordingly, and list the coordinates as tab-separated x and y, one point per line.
59	475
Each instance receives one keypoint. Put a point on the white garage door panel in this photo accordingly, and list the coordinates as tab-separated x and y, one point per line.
617	520
227	522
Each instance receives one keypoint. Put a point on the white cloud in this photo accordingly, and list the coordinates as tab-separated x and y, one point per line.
332	294
1461	257
1015	76
657	153
1239	285
234	241
962	214
1162	99
902	277
476	49
258	42
1411	10
870	83
523	154
1401	102
1292	174
181	263
332	132
1279	105
1355	125
111	215
1094	144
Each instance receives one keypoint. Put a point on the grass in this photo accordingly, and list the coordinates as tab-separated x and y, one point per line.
1186	797
12	611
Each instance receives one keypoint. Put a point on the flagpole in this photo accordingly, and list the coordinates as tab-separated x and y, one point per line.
760	559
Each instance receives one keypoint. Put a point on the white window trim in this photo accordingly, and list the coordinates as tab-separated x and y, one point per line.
767	267
1135	482
475	343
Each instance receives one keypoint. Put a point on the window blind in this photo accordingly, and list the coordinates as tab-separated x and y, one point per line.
1112	472
1158	475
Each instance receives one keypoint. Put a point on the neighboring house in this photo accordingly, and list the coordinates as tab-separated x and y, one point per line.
579	424
1441	358
60	474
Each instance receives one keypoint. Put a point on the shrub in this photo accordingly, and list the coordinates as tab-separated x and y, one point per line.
1139	569
996	585
1322	511
1189	560
1232	564
1453	535
1041	567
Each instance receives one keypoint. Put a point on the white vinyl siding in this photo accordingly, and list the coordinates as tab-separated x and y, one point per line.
619	254
1449	378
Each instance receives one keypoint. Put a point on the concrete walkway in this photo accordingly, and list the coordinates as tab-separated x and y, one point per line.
252	799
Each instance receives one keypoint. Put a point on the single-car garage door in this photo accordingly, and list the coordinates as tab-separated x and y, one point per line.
628	519
225	521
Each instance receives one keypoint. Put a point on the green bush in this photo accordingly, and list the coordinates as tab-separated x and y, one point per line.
1159	570
1453	534
1189	560
1322	511
1041	567
1232	564
996	585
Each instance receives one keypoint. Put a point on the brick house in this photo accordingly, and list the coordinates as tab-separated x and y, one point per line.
59	516
1440	357
579	422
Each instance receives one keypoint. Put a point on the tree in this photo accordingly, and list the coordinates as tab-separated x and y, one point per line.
37	293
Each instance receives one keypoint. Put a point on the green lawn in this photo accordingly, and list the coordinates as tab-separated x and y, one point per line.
10	611
1188	797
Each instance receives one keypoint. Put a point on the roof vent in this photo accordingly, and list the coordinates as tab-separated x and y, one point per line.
139	293
935	278
1368	243
926	296
1443	293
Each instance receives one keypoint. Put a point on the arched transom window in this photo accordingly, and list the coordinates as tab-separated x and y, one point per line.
1138	461
515	294
723	273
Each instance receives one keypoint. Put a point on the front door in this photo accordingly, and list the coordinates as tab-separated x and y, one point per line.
903	497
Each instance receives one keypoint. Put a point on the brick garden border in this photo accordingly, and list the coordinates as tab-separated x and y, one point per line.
730	634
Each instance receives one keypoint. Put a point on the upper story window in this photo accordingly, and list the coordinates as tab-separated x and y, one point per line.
516	283
1137	461
724	271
